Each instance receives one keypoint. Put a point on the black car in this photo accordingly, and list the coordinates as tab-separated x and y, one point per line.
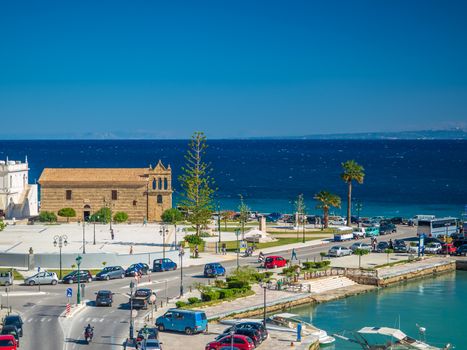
387	228
138	268
462	250
14	320
382	246
459	242
251	333
104	298
72	277
399	246
252	325
11	329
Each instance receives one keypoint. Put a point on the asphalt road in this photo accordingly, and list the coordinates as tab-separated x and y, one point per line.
44	329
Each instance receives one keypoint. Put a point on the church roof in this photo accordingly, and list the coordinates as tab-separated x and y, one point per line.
93	175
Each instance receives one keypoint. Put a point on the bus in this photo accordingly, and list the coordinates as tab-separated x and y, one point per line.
439	227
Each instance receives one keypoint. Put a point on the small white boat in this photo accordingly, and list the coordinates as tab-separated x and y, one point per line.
291	321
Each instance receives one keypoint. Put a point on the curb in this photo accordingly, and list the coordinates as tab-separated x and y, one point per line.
75	309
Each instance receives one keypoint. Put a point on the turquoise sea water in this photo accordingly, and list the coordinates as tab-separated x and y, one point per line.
438	304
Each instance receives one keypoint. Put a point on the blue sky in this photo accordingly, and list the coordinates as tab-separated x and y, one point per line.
230	68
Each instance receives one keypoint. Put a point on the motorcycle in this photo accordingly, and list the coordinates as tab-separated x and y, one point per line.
260	259
88	334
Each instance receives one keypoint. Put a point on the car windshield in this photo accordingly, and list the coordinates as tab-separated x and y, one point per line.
142	292
6	342
11	320
104	294
268	259
336	248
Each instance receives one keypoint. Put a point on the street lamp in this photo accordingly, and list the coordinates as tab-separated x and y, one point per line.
163	231
84	237
60	241
181	253
219	225
95	219
237	233
265	287
78	294
132	286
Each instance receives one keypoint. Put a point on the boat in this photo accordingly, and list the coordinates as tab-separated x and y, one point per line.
291	321
393	339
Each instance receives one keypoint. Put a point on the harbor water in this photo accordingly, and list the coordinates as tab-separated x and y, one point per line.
437	304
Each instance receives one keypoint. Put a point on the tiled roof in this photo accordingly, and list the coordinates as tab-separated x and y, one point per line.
93	175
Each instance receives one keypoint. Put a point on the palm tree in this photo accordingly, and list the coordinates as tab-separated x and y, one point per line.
327	200
352	172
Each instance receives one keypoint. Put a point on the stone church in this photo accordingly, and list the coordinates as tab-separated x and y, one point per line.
142	193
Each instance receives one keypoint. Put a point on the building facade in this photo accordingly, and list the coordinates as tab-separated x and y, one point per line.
142	193
18	199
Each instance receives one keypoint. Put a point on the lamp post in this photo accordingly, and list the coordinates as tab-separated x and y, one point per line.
265	287
163	231
237	233
132	286
60	241
78	293
219	225
95	219
84	237
181	253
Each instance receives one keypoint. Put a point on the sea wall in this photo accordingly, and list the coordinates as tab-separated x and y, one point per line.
461	264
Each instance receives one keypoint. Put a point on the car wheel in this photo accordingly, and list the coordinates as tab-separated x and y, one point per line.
70	282
160	327
123	275
7	284
53	283
107	278
31	283
188	331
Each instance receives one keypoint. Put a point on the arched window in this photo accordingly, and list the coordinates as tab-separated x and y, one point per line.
165	183
159	199
154	184
160	183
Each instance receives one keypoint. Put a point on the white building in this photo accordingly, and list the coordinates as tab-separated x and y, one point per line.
18	199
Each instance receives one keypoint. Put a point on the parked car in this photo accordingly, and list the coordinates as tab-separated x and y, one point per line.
142	298
6	278
462	250
166	264
151	344
359	245
457	243
104	298
387	228
274	261
397	221
14	320
213	270
138	268
72	277
11	330
433	248
451	249
8	342
371	231
110	272
339	251
253	334
273	217
251	325
240	341
358	232
400	246
188	321
148	333
382	246
44	277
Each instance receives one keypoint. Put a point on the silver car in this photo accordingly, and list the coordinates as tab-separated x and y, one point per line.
360	245
339	251
44	277
6	278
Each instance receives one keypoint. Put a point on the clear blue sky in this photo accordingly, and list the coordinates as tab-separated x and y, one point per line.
231	68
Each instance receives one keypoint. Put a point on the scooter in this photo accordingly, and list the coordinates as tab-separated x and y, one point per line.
260	259
88	334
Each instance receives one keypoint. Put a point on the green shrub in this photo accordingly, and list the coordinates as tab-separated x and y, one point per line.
180	304
120	217
67	213
172	216
193	300
290	270
210	295
2	225
47	216
220	284
226	293
238	284
194	239
102	215
204	234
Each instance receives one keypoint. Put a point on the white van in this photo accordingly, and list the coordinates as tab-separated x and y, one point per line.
422	217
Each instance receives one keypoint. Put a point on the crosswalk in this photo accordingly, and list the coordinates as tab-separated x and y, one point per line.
82	320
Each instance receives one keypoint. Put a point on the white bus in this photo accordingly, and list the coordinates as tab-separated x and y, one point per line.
439	227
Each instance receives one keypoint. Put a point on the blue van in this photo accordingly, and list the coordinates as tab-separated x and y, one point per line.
165	264
188	321
213	270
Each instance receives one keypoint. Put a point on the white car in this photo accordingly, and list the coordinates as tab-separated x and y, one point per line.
359	245
339	251
433	248
44	277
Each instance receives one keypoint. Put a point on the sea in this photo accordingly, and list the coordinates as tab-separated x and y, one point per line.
403	177
436	304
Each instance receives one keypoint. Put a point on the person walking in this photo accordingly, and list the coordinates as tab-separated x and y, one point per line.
294	255
131	250
224	249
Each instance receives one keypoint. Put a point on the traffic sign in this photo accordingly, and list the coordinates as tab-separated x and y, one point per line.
69	292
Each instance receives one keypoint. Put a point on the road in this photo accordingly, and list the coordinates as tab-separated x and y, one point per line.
44	329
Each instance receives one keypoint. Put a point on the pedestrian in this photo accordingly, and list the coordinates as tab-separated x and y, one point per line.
112	234
391	245
294	255
145	221
196	251
131	250
224	249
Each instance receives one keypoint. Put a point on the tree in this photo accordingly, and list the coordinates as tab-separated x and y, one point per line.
227	215
120	217
47	216
352	171
244	214
327	200
67	213
300	209
197	184
322	255
2	225
103	215
360	252
172	216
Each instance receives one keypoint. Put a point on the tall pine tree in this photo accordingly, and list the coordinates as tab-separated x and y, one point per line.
197	184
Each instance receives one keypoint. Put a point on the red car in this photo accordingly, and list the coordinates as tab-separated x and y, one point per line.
451	248
8	342
274	261
240	342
